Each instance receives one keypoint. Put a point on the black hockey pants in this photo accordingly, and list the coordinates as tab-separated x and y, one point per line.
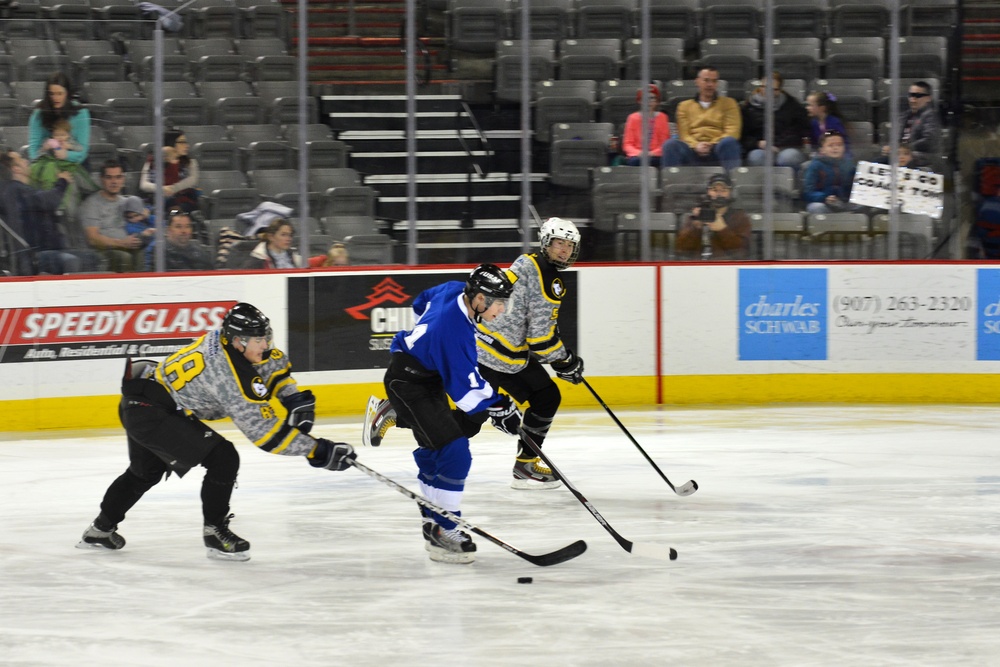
533	386
162	439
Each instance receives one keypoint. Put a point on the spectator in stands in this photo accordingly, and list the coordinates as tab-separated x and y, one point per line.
714	229
826	186
659	130
32	213
791	125
102	219
275	249
180	174
921	126
182	252
708	126
59	103
336	255
824	117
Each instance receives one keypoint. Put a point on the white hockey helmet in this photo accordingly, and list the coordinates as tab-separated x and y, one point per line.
558	228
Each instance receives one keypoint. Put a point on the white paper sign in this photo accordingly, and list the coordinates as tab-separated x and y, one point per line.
918	191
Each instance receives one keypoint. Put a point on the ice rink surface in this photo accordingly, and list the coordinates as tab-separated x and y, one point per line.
819	536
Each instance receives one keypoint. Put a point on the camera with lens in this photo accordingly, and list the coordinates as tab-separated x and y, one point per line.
706	212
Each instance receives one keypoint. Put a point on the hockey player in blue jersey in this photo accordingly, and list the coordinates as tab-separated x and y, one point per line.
436	360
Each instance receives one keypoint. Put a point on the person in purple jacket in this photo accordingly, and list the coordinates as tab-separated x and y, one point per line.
824	117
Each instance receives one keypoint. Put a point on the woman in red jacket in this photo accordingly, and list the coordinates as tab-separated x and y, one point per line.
659	131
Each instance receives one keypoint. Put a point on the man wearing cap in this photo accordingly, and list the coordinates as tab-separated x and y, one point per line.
659	130
714	229
708	128
102	218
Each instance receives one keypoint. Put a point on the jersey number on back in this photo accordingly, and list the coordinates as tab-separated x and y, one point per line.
181	370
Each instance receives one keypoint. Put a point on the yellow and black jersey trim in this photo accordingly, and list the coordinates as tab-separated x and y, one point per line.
547	344
278	438
498	346
549	282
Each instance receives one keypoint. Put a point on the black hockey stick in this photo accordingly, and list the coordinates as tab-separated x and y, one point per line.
568	552
663	553
685	489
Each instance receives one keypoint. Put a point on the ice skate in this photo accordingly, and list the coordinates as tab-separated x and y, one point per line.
224	544
530	473
95	537
379	418
448	546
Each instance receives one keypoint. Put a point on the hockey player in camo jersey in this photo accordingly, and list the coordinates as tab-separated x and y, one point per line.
513	347
231	372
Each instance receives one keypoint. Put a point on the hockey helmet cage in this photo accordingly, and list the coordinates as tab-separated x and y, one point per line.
245	321
558	228
490	281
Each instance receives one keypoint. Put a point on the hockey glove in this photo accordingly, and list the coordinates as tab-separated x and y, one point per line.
505	415
569	369
301	408
331	455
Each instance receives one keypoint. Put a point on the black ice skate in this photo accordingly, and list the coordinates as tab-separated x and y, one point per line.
448	546
101	536
224	544
529	473
379	418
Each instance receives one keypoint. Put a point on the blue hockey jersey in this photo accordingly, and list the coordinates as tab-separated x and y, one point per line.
443	339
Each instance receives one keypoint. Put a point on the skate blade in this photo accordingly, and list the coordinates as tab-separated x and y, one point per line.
215	554
366	428
442	556
531	485
93	546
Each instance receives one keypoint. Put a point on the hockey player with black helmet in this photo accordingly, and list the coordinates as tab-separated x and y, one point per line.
431	362
513	348
231	372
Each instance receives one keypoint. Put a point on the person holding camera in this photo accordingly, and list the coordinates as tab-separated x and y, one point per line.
714	229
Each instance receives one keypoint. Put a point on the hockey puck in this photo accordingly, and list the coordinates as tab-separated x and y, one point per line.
524	580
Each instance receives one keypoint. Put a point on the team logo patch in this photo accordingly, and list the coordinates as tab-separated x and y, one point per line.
558	289
259	388
277	354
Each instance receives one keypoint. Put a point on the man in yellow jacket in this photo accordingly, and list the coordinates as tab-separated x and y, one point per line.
708	128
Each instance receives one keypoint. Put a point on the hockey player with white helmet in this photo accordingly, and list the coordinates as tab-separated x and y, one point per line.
513	348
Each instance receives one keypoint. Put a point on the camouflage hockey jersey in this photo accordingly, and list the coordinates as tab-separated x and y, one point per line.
204	379
529	326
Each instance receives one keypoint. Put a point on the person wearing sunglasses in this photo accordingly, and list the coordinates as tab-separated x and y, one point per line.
920	128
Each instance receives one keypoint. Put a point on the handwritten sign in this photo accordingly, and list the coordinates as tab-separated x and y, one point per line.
916	191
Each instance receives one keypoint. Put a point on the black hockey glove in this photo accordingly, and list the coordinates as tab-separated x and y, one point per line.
505	415
332	455
301	408
569	369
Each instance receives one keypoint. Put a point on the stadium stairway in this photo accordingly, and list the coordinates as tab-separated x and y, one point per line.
980	52
468	189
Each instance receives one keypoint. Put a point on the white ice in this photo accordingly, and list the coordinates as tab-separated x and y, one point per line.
819	536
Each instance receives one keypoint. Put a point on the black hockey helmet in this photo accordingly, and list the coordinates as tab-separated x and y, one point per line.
490	281
245	321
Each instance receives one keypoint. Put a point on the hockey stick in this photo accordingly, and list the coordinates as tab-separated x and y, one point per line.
663	553
552	558
685	489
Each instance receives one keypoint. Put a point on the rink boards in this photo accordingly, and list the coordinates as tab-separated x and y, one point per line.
668	333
